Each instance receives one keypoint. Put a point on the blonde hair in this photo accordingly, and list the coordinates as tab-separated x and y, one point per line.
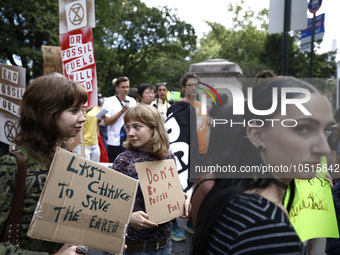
149	116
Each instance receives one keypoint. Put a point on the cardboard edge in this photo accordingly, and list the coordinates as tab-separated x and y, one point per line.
37	208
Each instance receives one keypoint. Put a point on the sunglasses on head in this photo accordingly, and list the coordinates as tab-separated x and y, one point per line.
161	84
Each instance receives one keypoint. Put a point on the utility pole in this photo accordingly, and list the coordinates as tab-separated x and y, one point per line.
285	43
313	7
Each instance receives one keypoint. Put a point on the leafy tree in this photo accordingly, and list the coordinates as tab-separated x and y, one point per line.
25	26
242	43
136	38
128	37
169	69
248	44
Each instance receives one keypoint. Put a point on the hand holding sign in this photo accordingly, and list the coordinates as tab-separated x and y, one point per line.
84	203
163	195
140	220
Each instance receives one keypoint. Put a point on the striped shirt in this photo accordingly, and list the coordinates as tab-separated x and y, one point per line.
251	224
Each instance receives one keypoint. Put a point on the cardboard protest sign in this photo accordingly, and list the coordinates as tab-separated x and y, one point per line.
312	212
52	59
77	53
75	15
84	203
12	89
162	191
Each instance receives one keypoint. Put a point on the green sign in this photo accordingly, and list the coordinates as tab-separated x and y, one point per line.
312	213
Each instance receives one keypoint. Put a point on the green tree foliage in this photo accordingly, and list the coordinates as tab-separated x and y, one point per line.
248	44
136	39
242	43
128	37
150	44
299	63
25	26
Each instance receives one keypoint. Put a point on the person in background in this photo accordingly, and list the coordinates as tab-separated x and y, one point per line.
102	141
189	83
133	93
263	75
113	119
92	150
333	244
147	140
102	127
246	215
161	103
51	112
334	142
145	93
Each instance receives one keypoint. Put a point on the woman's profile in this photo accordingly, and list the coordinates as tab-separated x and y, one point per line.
51	112
246	215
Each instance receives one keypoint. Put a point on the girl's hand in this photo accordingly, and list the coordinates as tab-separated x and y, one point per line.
67	249
140	220
187	205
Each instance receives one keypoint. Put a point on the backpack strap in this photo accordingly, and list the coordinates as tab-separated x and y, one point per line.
12	232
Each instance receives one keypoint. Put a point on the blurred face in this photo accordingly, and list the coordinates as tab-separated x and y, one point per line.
123	88
162	91
190	88
147	96
139	135
304	144
70	120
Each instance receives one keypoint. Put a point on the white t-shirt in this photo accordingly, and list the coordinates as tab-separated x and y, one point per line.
113	105
162	108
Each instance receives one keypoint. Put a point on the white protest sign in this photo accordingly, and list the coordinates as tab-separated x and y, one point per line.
77	53
75	15
12	89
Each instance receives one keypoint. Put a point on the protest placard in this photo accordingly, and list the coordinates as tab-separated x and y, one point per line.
312	212
76	14
84	203
52	59
162	191
77	53
12	89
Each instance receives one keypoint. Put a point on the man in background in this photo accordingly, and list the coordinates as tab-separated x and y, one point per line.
114	118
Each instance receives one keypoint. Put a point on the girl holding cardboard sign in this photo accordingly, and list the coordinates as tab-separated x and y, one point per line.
244	213
147	140
51	112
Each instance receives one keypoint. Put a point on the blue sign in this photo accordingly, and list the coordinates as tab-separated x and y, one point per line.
314	5
307	33
319	26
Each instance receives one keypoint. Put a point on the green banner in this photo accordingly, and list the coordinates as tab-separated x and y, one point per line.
312	213
173	96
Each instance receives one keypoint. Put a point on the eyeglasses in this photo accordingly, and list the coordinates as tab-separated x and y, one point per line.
149	94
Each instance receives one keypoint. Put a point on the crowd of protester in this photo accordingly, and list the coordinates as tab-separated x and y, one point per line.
235	214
